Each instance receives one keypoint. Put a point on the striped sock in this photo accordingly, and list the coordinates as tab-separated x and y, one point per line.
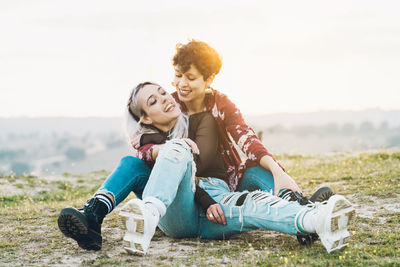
306	222
285	194
106	200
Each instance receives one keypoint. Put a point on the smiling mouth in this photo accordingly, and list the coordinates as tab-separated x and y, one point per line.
169	107
184	92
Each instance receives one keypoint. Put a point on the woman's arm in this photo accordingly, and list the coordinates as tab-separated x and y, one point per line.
242	134
206	138
281	179
149	152
205	135
248	142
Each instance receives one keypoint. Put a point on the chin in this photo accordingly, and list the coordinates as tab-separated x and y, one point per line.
184	98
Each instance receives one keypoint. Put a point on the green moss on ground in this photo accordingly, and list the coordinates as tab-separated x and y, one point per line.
29	233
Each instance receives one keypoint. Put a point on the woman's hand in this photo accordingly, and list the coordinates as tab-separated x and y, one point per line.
135	141
156	149
281	179
192	145
216	214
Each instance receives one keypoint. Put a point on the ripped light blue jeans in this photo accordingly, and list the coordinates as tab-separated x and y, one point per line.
172	182
132	174
245	211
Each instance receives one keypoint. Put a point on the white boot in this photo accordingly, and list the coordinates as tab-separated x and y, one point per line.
331	219
140	221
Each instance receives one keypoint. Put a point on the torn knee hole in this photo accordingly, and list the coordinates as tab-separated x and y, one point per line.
176	142
261	196
241	199
227	199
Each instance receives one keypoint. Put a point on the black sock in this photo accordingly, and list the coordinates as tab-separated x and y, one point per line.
106	200
286	194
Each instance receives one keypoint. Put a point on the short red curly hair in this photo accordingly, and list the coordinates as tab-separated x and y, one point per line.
205	58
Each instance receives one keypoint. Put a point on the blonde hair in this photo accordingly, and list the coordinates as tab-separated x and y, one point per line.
134	126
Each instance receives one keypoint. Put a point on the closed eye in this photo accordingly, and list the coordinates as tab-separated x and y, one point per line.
151	100
161	91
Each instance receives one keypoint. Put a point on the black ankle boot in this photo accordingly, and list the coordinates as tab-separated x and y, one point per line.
322	194
84	225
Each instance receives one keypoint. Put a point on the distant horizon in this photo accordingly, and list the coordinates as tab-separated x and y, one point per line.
252	115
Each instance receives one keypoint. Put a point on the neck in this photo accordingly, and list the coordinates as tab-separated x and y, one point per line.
166	127
195	106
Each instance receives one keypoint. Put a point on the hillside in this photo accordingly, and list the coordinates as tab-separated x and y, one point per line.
42	146
29	208
78	126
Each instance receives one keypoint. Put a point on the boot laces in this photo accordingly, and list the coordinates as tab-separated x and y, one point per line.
315	206
90	204
289	195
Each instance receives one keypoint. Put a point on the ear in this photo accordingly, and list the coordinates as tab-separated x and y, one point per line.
146	119
210	80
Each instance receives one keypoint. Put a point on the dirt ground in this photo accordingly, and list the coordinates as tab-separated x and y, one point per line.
30	205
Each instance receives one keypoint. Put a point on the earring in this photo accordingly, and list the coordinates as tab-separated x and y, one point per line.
208	91
173	84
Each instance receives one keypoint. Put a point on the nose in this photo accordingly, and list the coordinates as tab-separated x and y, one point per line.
163	99
182	82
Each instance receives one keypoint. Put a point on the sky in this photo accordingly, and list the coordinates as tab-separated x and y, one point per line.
82	58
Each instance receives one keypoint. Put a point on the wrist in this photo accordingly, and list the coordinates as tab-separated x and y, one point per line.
154	153
267	162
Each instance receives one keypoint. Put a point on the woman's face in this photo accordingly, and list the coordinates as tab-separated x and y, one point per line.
160	108
190	85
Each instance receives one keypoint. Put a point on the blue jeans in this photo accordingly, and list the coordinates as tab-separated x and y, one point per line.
130	175
172	182
245	211
256	178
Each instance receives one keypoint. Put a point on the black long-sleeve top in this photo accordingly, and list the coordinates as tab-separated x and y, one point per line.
209	163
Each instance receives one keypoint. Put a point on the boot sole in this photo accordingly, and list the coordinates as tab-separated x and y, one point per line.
337	235
72	223
133	222
322	194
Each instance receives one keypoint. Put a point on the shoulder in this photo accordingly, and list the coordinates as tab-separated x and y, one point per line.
221	99
218	95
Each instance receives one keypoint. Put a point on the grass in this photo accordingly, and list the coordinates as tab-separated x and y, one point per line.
29	233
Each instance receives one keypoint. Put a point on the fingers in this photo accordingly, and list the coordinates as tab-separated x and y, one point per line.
134	145
216	214
276	191
293	188
284	181
211	217
195	149
297	189
221	214
135	141
193	145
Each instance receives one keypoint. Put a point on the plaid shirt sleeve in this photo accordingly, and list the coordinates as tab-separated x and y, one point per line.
145	153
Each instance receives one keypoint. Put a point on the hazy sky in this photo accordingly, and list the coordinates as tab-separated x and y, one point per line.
81	58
